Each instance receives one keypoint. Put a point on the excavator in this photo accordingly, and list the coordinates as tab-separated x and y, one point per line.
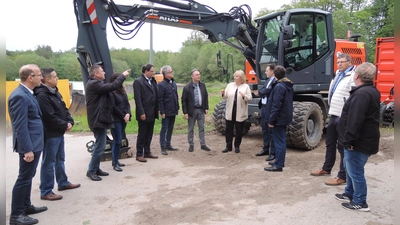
301	40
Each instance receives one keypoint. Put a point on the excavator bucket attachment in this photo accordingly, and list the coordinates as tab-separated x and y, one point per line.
78	104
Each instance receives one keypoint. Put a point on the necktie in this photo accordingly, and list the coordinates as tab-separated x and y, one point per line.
196	96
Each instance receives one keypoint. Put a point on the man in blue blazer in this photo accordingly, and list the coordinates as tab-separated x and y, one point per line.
268	146
28	142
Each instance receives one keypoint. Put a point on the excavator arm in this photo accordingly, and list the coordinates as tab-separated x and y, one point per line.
126	20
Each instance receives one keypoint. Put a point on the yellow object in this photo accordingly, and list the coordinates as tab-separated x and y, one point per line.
63	88
158	77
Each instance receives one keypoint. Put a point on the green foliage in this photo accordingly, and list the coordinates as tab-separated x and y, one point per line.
45	51
68	67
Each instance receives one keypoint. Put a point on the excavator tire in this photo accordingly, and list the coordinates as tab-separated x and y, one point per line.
307	126
220	121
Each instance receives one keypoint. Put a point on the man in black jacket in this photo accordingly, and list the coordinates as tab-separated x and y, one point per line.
56	120
359	135
280	109
168	106
146	100
99	114
195	107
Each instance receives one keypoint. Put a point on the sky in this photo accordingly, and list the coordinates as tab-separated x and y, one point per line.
53	23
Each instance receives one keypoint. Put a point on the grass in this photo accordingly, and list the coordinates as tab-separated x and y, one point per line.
180	127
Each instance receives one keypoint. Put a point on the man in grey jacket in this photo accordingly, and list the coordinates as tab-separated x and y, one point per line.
338	92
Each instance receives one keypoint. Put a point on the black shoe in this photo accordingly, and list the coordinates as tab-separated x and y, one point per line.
22	219
226	150
271	163
120	164
33	210
93	176
273	169
204	147
164	151
169	147
237	150
191	148
116	167
263	152
101	172
270	158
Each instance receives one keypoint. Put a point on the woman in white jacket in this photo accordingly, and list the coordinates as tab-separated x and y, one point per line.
237	95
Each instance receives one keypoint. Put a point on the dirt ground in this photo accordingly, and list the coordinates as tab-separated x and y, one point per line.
190	188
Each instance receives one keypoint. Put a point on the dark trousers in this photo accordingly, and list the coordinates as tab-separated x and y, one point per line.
238	126
145	135
21	193
332	143
167	127
267	132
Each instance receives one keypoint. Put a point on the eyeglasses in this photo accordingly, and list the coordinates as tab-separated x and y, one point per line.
170	71
40	75
339	62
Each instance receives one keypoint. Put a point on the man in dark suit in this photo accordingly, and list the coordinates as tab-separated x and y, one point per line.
146	100
28	142
195	106
169	108
268	147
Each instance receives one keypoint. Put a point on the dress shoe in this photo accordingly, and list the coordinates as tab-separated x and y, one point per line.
273	169
151	156
335	181
263	152
164	151
226	150
120	164
320	172
237	150
116	167
33	210
169	147
69	186
51	197
271	163
93	176
22	219
101	172
205	148
191	148
270	158
140	159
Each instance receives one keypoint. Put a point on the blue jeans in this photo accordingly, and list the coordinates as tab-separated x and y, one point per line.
21	193
332	143
356	184
117	132
53	159
100	134
279	139
198	115
167	126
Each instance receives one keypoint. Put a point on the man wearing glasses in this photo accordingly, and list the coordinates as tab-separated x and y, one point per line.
168	106
339	91
28	142
146	99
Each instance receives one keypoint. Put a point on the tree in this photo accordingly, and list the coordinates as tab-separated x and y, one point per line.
45	51
67	67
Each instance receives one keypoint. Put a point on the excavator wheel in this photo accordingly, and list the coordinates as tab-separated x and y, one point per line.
306	129
220	122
